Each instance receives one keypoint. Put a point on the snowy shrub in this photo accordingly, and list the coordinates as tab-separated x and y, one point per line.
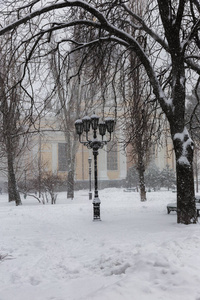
167	178
152	177
132	179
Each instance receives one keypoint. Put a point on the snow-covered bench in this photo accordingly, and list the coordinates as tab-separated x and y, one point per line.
197	199
173	207
131	189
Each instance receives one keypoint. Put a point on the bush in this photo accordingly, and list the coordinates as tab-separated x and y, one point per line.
152	177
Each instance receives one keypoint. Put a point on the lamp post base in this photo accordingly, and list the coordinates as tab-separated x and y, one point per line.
96	210
90	195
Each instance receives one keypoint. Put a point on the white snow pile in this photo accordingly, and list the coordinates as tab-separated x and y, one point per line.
137	251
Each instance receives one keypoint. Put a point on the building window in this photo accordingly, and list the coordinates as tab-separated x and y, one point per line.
62	157
112	163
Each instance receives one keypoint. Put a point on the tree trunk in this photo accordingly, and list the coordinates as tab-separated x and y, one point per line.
13	192
196	170
70	184
70	155
141	170
186	206
142	186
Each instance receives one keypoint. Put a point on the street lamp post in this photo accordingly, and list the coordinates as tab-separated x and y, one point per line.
90	178
83	125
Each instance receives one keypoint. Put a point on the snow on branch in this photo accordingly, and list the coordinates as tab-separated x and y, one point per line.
55	6
147	29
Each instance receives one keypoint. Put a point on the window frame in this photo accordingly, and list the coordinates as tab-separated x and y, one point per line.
62	157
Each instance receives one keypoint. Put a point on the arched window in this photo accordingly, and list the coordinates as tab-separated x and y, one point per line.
112	156
62	157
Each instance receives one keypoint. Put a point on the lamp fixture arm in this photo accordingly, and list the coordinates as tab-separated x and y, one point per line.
82	142
87	136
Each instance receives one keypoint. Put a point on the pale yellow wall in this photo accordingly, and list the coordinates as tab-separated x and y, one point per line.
46	146
82	166
113	175
46	157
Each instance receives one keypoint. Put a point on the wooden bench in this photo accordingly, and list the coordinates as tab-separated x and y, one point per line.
173	207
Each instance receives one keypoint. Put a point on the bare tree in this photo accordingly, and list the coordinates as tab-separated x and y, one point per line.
11	97
140	131
173	32
140	109
18	112
74	98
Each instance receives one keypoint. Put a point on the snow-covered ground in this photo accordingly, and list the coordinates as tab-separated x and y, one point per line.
137	251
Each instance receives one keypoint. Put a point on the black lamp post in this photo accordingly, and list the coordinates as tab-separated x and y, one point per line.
90	178
83	125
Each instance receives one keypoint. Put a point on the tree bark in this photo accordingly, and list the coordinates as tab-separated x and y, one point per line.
13	192
186	206
70	184
141	170
142	187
